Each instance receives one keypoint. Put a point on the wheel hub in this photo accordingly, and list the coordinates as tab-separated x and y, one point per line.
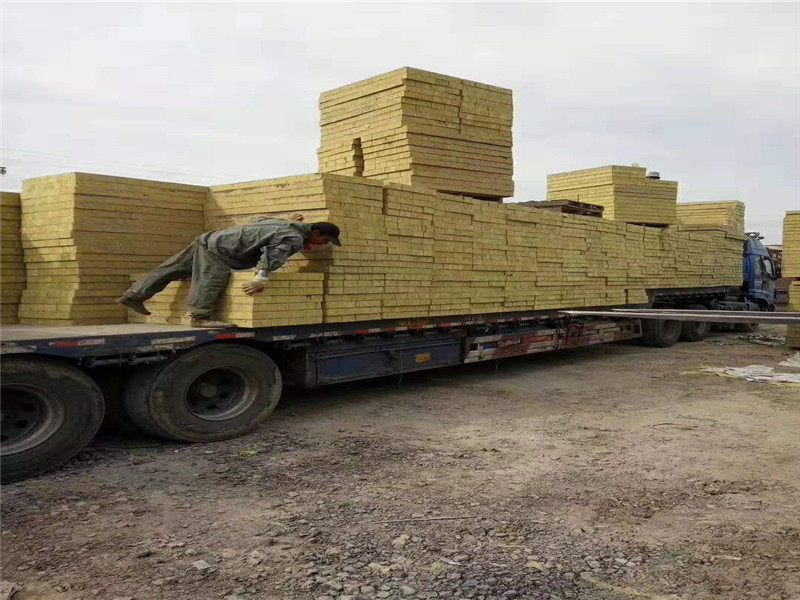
208	390
220	394
29	416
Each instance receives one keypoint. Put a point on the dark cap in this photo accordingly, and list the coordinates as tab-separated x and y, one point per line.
328	229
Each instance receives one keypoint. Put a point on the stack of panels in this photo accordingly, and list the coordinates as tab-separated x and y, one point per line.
12	265
238	203
409	214
489	258
354	274
790	260
452	268
410	252
84	234
290	299
711	215
419	128
625	193
793	331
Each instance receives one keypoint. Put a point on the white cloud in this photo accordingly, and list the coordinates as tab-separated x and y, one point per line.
708	94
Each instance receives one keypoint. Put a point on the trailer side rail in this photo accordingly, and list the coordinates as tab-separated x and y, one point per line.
710	316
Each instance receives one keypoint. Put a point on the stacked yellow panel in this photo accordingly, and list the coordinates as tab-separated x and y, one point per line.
419	128
625	193
354	273
452	271
237	203
525	236
489	258
409	216
12	265
711	215
410	252
84	234
793	331
790	260
290	299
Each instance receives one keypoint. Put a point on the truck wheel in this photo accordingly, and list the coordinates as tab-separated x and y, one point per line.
660	333
50	411
207	394
746	327
695	331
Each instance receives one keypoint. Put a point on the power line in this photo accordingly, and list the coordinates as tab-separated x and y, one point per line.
67	161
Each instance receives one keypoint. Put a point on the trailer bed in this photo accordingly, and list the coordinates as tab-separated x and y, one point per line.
21	333
84	341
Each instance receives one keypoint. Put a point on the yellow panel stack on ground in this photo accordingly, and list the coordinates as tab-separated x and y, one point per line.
793	331
290	299
420	128
790	260
728	215
83	234
625	193
12	264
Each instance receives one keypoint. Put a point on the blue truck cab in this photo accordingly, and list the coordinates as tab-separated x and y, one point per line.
758	285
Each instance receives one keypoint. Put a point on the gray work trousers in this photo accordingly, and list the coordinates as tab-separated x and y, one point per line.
209	277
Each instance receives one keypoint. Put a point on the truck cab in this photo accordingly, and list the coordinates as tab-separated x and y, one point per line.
759	273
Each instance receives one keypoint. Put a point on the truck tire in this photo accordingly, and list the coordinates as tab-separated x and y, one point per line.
695	331
746	327
660	333
50	411
211	393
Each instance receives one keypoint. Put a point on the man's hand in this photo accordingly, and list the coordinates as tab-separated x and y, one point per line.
297	217
254	286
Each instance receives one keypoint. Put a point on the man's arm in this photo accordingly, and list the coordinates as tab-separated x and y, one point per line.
273	257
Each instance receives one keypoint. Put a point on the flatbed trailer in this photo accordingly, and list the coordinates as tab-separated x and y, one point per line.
200	385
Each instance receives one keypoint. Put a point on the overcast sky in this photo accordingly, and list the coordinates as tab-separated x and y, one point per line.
707	94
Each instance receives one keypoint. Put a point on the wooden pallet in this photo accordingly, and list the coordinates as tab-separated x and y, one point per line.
570	207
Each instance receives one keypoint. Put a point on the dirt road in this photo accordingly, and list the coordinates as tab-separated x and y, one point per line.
599	473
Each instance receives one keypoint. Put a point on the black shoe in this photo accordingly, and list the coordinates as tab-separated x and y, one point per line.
134	305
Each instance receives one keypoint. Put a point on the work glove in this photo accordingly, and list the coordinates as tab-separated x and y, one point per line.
254	286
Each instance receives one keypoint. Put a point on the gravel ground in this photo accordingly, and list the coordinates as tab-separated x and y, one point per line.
610	472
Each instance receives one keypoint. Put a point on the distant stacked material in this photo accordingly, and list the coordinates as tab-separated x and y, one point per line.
711	215
85	234
12	265
419	128
625	193
790	260
793	331
290	299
